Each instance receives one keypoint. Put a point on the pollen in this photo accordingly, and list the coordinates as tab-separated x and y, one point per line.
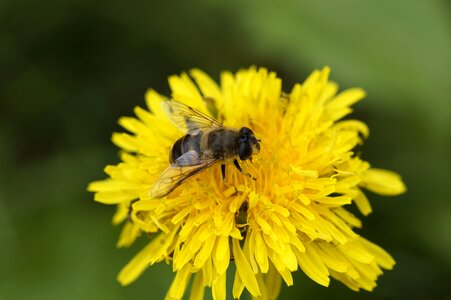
292	217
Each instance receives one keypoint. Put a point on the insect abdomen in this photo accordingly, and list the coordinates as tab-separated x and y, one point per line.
183	145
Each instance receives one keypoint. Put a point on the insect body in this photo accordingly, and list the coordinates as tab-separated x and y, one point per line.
241	216
206	142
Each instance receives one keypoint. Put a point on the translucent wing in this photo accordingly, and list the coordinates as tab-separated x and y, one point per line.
188	119
185	167
188	159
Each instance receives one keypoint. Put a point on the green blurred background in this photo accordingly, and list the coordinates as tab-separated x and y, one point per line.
70	69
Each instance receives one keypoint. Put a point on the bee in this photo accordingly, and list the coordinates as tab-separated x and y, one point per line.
205	143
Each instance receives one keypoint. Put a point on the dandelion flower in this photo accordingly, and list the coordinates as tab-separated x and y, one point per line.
293	216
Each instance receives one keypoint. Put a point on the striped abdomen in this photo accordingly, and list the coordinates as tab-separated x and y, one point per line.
185	144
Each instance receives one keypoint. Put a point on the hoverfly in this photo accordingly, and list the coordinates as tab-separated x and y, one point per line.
205	143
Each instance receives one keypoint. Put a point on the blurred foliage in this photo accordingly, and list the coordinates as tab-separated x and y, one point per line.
69	69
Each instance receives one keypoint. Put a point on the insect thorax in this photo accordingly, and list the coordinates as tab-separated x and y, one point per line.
222	143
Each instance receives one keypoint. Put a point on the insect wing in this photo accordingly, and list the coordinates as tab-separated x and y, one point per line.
188	119
190	158
175	175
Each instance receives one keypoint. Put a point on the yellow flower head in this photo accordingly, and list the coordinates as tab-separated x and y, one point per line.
291	216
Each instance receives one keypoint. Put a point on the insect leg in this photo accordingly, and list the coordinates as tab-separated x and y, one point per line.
237	165
223	171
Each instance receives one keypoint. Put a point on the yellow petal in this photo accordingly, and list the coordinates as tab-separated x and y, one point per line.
109	185
125	141
113	197
264	226
312	265
362	203
273	282
281	267
244	270
238	286
128	235
140	262
184	90
348	217
306	173
357	252
208	87
218	288
332	261
346	98
383	182
179	283
121	213
382	257
205	252
353	125
197	289
261	255
221	257
289	259
207	272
